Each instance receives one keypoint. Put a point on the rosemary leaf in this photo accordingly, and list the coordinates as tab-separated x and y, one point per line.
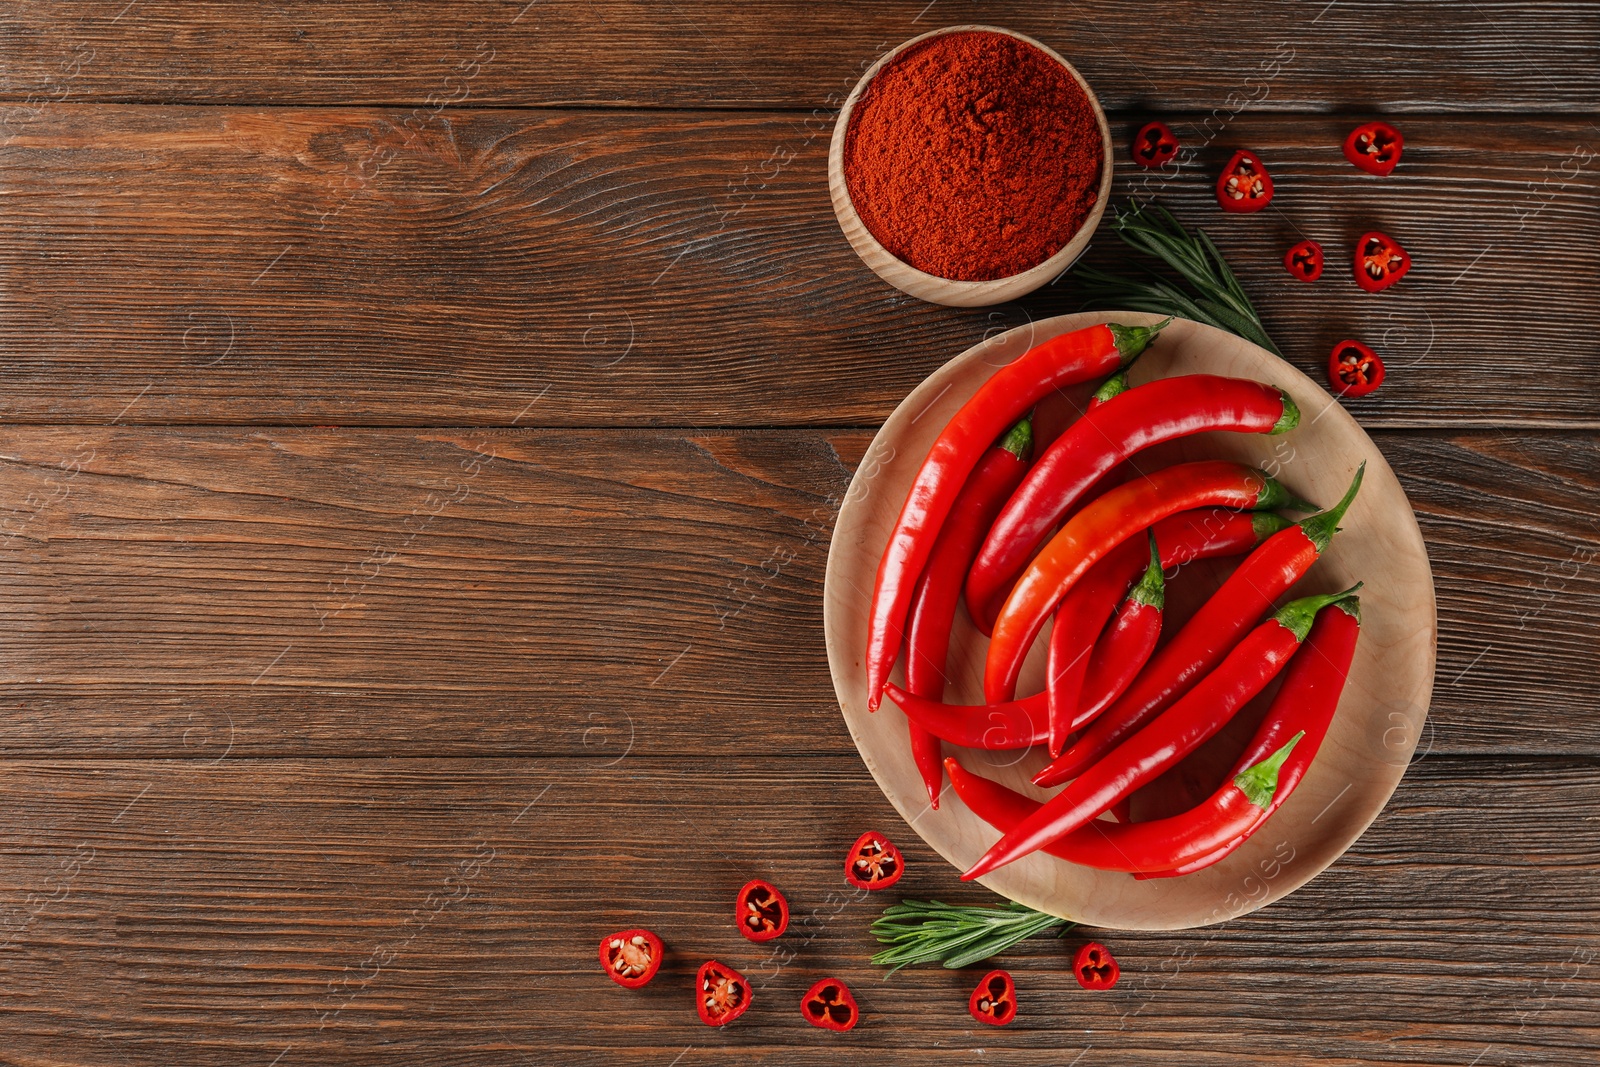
956	936
1218	299
1230	281
1234	322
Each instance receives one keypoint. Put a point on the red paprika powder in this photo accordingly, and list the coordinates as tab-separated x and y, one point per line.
973	156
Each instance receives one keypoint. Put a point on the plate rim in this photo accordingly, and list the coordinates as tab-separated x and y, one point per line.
856	497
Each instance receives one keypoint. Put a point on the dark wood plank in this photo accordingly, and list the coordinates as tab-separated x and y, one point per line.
212	592
1522	55
337	266
446	912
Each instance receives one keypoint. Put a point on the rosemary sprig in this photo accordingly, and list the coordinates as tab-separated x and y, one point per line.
930	932
1219	299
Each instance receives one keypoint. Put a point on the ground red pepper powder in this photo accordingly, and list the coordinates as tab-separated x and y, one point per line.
973	156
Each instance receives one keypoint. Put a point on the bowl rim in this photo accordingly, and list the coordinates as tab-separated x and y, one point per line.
952	291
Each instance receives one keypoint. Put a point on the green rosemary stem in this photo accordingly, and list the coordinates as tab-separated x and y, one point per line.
1218	298
930	932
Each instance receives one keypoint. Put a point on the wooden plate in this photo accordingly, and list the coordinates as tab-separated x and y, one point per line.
1380	716
908	279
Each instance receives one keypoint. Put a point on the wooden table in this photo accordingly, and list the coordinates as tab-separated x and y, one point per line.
422	430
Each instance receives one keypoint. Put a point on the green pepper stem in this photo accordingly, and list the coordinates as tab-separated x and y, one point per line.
1151	588
1320	528
1290	417
1019	439
1115	385
1351	606
1133	340
1266	523
1273	496
1259	783
1298	615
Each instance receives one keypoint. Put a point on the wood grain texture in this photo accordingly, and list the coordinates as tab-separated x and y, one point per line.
1507	55
248	265
288	592
308	618
436	912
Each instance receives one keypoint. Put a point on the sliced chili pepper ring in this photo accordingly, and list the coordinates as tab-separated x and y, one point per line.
1380	261
1154	145
995	1000
1354	369
1375	147
1304	261
721	993
873	862
1245	184
761	911
828	1004
1095	968
631	957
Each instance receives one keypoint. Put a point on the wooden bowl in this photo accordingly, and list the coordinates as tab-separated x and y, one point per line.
931	287
1380	715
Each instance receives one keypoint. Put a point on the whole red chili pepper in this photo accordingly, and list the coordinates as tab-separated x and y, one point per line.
1095	531
1153	145
631	957
934	607
1375	147
1094	967
1301	712
994	1001
1205	533
830	1005
1135	848
1380	261
1126	645
1178	731
1080	617
1162	410
761	911
1354	369
1012	390
721	993
873	862
1199	646
1245	184
1195	836
1304	261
